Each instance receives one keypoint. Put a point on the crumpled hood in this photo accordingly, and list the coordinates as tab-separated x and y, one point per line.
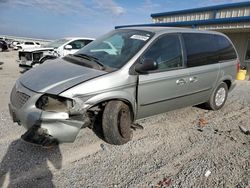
56	76
36	49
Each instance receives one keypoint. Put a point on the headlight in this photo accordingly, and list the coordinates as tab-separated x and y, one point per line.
54	103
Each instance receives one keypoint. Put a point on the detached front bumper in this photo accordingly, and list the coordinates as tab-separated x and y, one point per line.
57	125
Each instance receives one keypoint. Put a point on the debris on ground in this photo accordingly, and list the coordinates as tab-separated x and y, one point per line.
164	183
104	147
244	130
208	172
202	122
135	126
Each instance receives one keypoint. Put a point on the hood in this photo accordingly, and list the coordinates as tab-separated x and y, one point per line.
37	49
54	77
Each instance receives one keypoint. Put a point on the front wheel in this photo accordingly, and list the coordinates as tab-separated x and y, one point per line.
218	97
116	123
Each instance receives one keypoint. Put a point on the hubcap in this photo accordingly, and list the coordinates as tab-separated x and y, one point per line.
220	96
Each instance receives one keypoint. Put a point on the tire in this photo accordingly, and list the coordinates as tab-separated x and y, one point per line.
116	123
1	49
218	97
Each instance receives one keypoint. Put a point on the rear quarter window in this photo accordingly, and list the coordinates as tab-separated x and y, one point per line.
226	50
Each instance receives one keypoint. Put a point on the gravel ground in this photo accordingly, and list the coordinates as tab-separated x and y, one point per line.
171	151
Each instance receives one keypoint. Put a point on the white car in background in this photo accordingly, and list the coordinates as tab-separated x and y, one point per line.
59	48
107	47
27	45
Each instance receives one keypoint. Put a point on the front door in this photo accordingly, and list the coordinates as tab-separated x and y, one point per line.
163	89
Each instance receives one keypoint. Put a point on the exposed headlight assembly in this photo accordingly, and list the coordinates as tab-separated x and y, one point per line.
53	103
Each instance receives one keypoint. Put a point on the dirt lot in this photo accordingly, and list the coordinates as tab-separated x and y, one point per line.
171	150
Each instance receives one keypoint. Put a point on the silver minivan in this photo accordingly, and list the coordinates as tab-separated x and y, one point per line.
149	70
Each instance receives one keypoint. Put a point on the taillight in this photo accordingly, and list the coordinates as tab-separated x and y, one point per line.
238	65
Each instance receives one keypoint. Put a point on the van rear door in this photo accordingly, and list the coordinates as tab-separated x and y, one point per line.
203	65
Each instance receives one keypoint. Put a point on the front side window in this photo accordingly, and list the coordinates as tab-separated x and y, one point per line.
116	48
166	52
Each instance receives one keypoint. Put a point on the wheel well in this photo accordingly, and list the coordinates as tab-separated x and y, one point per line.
103	103
228	82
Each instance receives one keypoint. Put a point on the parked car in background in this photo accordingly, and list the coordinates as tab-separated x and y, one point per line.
107	47
3	46
27	45
156	70
15	44
9	42
58	48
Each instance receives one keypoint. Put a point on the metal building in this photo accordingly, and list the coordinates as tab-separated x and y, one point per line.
231	19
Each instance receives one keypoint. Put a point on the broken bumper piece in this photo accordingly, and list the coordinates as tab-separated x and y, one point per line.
38	136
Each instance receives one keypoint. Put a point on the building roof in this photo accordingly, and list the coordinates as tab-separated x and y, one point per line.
193	23
202	9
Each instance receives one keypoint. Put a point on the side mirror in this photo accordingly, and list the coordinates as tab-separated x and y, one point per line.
68	47
145	66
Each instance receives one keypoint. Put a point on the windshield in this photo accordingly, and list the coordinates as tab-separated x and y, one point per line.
117	47
56	43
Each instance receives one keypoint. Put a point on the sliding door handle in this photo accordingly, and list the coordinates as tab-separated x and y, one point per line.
181	81
193	79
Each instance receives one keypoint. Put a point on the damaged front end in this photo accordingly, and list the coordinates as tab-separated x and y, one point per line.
62	117
49	119
38	97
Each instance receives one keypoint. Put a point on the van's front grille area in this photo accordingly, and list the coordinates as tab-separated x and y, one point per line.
18	99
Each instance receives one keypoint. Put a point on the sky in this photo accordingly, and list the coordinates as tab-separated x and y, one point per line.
53	19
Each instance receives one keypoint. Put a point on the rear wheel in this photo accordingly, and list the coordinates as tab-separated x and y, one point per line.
1	49
218	97
116	123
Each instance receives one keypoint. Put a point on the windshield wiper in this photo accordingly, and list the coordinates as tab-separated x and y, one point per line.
91	58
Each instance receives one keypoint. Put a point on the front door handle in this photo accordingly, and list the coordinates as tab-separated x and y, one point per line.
181	81
193	79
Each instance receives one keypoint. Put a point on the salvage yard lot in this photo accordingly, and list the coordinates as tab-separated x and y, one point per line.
176	148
